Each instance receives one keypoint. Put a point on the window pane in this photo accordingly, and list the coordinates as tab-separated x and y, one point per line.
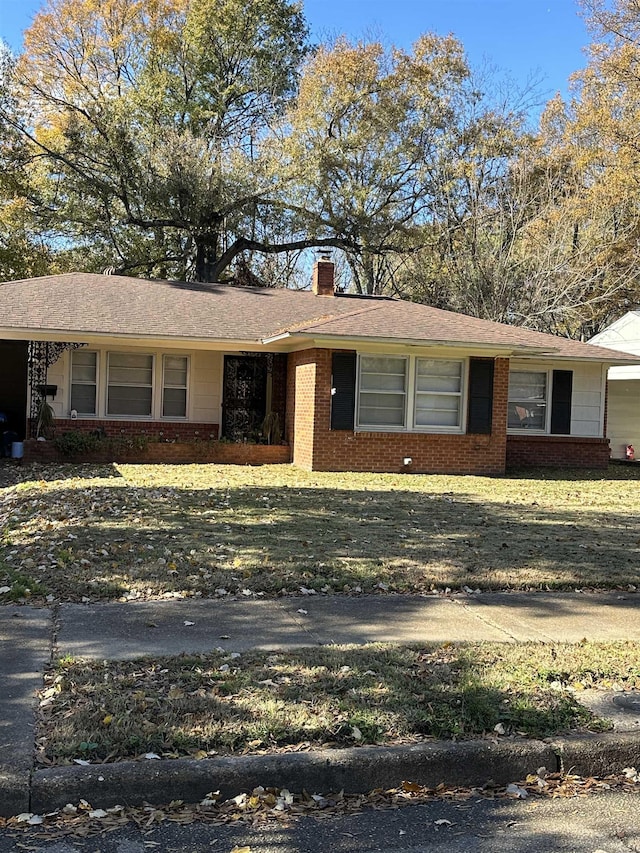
382	391
130	359
382	374
522	416
382	382
384	364
527	400
130	375
381	417
174	403
438	367
438	393
83	399
436	375
527	386
176	362
175	378
438	410
83	366
130	369
127	400
83	356
82	373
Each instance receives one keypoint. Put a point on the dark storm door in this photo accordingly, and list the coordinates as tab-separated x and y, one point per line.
13	386
244	397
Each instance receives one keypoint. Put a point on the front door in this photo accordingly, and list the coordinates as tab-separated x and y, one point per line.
244	397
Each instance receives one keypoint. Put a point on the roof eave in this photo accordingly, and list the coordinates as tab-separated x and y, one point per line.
295	338
83	336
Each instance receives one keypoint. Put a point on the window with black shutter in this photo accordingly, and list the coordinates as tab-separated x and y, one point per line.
343	390
480	408
561	402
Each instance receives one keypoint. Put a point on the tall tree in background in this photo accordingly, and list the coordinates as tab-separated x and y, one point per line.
148	118
24	251
592	266
367	132
178	137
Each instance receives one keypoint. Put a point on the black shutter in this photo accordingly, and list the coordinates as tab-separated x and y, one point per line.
480	396
343	390
561	402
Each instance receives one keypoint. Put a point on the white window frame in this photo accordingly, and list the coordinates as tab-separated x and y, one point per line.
546	430
405	394
461	395
411	396
129	417
164	386
96	383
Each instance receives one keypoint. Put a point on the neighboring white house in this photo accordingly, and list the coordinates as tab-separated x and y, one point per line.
623	412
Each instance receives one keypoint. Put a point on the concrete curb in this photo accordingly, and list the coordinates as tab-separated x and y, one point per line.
353	770
14	791
598	754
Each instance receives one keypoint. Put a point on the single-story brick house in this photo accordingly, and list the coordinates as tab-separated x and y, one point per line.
623	409
356	383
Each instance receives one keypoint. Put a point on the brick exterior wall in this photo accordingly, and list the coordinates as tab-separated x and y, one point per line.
533	451
169	453
317	447
165	430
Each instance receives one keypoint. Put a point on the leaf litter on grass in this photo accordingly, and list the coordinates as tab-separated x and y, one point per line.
317	698
153	531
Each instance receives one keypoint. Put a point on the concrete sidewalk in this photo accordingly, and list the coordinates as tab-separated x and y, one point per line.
28	637
25	648
126	631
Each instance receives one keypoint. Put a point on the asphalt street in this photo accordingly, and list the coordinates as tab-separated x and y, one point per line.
599	823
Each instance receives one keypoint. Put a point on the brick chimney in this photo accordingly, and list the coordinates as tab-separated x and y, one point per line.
322	283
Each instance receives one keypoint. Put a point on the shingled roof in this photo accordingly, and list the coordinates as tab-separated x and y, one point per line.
78	304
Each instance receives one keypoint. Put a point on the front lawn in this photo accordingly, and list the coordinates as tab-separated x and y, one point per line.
323	697
124	531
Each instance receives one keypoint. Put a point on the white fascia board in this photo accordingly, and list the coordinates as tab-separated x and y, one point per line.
357	341
103	338
274	339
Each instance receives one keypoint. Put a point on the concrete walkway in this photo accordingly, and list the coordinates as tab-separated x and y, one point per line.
125	631
29	637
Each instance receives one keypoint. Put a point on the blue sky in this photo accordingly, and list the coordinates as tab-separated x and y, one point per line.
542	39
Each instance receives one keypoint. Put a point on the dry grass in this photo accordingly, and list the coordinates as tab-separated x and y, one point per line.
331	696
148	531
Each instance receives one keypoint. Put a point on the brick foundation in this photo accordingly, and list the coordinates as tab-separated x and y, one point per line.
156	430
317	447
533	451
168	453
